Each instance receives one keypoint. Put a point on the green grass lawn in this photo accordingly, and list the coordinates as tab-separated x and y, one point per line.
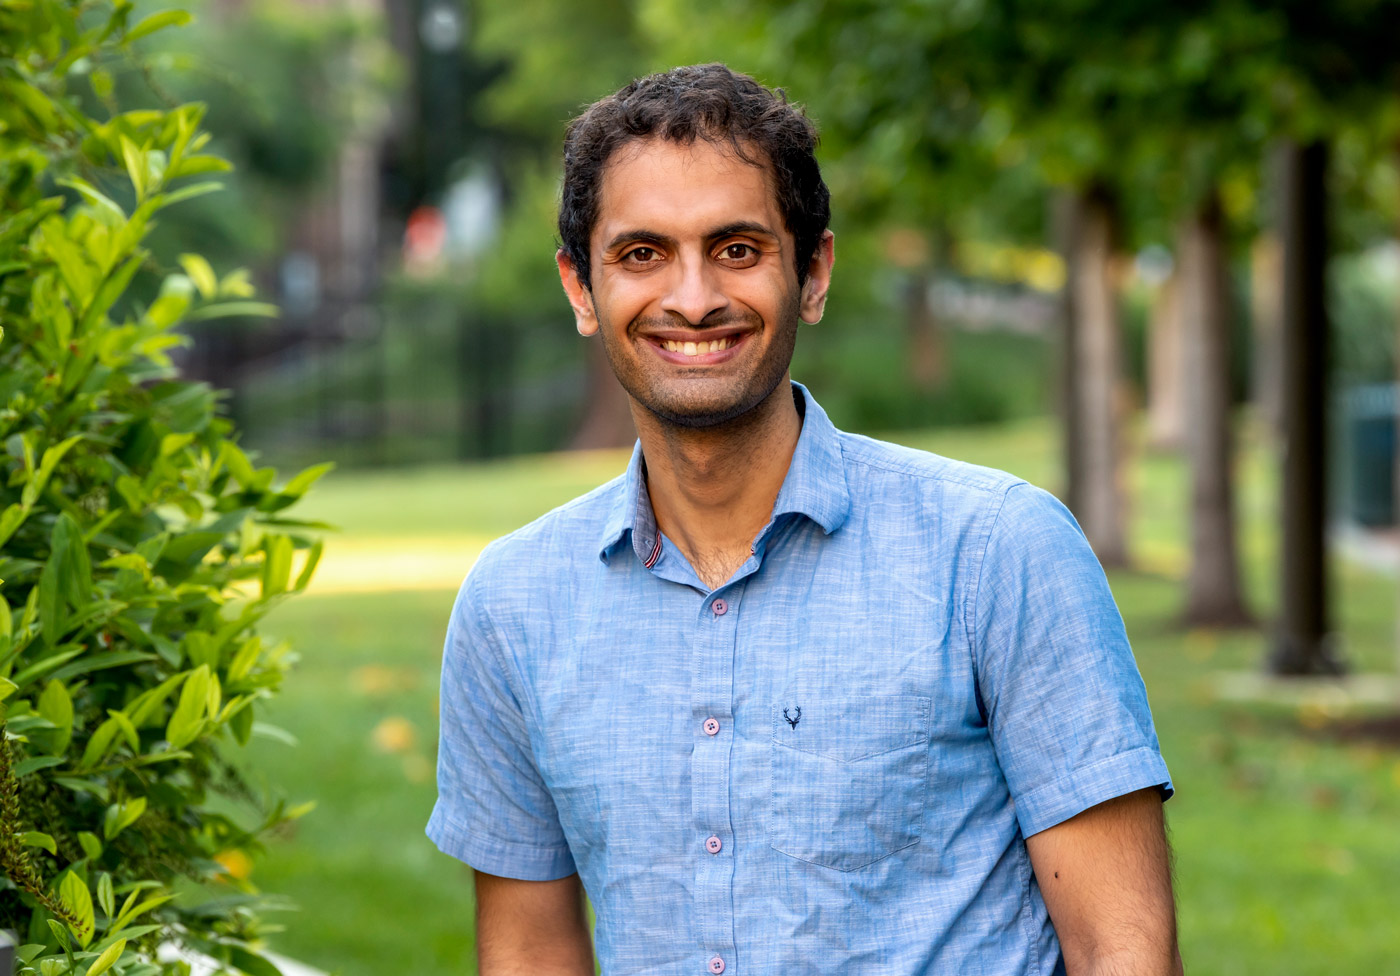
1287	840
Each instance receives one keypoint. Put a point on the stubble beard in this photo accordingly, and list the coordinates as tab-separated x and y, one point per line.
659	396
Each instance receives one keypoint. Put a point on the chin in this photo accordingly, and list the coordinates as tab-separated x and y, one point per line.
705	412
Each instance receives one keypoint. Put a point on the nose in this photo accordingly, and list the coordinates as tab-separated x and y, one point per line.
693	290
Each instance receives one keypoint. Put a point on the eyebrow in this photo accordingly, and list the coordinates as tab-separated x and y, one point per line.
728	230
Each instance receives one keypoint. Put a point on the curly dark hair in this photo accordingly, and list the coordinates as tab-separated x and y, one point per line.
706	101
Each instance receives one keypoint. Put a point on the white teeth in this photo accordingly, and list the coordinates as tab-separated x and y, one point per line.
689	349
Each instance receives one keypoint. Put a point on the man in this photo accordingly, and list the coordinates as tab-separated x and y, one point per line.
782	699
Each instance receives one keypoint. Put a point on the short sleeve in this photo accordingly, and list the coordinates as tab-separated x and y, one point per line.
493	810
1065	705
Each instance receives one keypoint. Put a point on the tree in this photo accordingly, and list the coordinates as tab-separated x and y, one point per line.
139	545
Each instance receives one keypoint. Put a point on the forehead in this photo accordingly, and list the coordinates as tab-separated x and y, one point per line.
681	189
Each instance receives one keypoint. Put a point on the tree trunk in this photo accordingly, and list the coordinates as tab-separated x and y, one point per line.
1303	643
607	419
1064	220
1166	384
927	362
1265	313
1098	354
1213	594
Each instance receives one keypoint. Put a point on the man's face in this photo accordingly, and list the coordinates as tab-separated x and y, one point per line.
694	286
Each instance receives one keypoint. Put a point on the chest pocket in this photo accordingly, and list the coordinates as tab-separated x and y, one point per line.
850	777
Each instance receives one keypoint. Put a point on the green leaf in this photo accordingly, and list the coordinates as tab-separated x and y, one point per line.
128	730
224	310
277	564
112	288
103	204
201	648
142	708
51	606
56	705
158	21
99	744
91	846
50	460
119	816
244	658
105	897
100	662
127	914
168	309
74	894
35	763
299	485
188	719
190	192
198	165
6	623
7	688
313	557
41	668
136	166
241	724
107	959
60	933
201	274
238	464
34	838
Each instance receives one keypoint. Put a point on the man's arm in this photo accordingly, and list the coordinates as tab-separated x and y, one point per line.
1105	875
531	928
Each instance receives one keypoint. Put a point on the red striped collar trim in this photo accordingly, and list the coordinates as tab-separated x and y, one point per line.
655	553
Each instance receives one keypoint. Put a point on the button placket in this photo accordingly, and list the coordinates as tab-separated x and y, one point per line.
712	697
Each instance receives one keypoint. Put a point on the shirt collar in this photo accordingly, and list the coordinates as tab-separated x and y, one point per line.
815	486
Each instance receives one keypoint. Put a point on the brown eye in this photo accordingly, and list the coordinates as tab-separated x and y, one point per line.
641	255
739	254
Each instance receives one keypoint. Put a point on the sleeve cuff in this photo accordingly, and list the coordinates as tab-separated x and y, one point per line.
490	855
1091	785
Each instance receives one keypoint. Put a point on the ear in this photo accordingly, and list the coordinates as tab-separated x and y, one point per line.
814	289
580	298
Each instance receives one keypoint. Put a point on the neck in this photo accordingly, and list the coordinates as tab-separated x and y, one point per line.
713	489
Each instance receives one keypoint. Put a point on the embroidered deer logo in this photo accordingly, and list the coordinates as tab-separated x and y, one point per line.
793	719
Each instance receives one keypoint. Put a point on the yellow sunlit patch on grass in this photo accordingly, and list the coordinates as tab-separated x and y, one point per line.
394	734
1200	645
376	679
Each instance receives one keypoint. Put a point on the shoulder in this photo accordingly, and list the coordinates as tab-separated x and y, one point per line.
515	570
879	466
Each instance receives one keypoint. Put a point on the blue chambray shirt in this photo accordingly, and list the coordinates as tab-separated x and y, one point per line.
827	765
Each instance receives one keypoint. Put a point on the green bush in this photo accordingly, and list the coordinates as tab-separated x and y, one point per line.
139	546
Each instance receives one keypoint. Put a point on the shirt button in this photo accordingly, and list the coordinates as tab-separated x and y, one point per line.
716	965
713	845
711	726
720	608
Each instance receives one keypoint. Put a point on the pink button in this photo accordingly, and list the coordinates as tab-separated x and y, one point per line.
713	845
716	965
711	726
720	608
